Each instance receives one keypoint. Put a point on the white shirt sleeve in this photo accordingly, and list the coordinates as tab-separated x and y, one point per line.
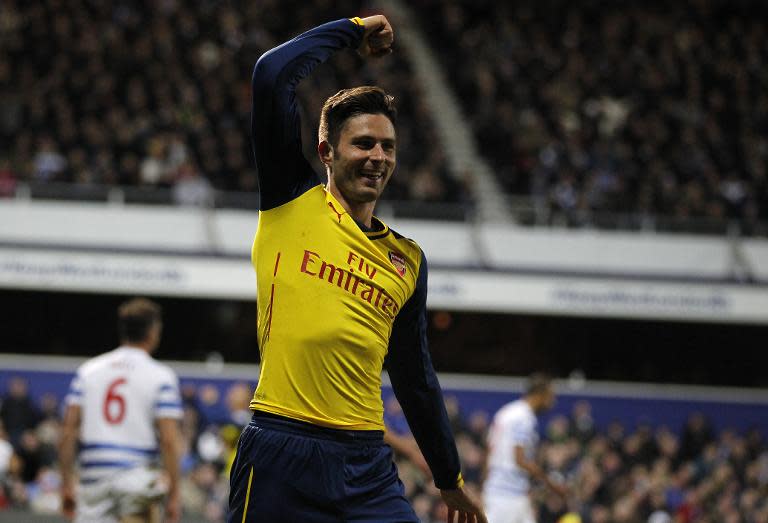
168	401
75	392
523	432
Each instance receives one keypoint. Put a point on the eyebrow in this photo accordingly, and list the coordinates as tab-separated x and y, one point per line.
371	137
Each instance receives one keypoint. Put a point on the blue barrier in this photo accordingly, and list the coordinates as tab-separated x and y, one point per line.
628	404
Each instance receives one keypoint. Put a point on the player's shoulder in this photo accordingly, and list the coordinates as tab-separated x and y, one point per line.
518	410
403	239
308	199
96	363
525	414
156	377
507	409
407	246
162	370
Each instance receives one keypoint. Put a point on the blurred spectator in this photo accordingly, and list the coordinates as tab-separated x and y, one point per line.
582	426
394	418
210	445
696	435
203	493
18	412
33	455
13	490
455	417
48	163
7	178
192	424
477	426
398	436
238	400
6	457
44	492
155	168
190	188
49	407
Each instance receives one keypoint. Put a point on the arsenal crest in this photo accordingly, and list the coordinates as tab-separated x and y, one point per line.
398	260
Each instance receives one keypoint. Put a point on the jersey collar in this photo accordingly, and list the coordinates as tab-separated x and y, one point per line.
135	351
378	230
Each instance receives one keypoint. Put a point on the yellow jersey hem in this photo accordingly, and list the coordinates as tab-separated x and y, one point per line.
257	407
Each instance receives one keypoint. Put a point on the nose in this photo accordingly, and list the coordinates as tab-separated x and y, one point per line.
377	153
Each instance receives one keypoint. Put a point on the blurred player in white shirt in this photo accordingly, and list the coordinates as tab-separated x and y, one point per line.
512	441
123	408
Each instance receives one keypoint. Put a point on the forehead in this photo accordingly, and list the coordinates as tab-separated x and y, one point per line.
375	125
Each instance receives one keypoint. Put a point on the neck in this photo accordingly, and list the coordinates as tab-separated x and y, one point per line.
145	346
360	212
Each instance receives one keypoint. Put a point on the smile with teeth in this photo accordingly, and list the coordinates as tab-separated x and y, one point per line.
372	176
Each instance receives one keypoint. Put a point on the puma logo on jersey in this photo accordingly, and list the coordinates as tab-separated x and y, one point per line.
339	214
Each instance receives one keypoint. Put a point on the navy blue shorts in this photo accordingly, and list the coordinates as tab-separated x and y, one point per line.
287	471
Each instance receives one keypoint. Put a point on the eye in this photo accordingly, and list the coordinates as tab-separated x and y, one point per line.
364	143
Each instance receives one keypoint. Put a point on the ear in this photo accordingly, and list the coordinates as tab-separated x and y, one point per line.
325	152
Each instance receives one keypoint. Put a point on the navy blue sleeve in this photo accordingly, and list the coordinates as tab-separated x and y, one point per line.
283	171
417	389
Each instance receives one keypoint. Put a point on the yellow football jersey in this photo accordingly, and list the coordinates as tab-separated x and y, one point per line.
328	294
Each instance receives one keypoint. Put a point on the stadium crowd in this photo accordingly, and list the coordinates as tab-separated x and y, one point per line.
655	112
646	474
650	108
157	94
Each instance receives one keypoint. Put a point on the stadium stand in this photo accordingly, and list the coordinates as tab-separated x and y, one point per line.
621	470
591	115
598	107
157	95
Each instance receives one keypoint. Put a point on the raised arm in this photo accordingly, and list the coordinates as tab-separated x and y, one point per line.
417	389
284	173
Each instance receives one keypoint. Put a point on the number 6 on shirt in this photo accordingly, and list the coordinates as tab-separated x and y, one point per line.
114	403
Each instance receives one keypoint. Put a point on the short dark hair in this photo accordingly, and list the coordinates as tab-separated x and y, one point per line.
347	103
136	317
538	382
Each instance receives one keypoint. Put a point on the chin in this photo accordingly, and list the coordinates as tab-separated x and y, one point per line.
367	194
367	197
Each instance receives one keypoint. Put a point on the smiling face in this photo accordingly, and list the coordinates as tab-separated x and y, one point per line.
362	162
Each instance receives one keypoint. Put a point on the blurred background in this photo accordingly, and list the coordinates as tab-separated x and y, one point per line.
588	180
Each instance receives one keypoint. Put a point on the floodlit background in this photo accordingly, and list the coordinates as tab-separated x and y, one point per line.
589	181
